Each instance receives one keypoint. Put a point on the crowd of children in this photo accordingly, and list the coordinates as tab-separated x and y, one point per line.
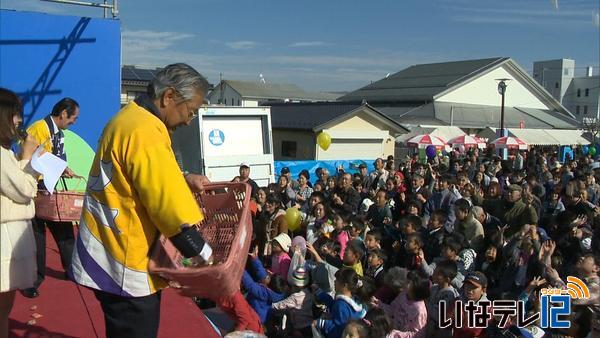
432	249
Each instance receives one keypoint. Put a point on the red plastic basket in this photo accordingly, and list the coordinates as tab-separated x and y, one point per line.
227	228
61	206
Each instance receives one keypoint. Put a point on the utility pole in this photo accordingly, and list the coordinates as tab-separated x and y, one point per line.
502	91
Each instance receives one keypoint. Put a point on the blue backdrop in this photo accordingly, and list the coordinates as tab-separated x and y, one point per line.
350	166
44	58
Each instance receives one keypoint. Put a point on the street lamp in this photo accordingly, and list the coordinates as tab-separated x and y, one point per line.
502	84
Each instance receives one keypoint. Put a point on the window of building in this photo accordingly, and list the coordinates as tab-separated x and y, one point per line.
566	71
577	110
232	101
579	92
556	85
289	148
239	103
587	92
585	110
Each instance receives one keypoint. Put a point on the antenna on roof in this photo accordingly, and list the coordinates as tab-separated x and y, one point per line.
261	78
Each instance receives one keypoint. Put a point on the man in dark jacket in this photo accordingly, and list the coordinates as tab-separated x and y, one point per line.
346	198
516	213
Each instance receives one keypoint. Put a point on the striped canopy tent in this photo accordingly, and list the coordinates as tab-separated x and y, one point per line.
423	141
509	142
464	140
481	144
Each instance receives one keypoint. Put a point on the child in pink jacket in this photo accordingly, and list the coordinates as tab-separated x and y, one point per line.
408	311
280	259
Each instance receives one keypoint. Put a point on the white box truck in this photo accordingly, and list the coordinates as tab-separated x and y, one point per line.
221	138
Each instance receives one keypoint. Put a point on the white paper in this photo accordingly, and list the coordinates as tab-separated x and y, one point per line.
49	165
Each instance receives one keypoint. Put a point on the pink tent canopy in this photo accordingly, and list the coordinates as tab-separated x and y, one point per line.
425	140
464	140
509	142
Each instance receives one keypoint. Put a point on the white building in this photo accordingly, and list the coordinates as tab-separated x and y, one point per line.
465	94
579	94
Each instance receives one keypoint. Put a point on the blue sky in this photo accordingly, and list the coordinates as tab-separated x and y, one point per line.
341	45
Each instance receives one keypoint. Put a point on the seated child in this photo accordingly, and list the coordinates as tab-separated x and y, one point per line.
408	311
474	289
280	259
299	304
435	235
340	233
376	262
442	290
357	229
346	305
352	256
450	250
411	259
266	291
373	239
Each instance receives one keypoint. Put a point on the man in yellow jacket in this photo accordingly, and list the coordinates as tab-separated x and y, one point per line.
135	192
48	132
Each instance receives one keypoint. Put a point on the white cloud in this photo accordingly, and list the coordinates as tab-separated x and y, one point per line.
145	41
242	44
308	44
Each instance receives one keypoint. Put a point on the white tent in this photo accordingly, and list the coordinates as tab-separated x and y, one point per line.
561	137
444	132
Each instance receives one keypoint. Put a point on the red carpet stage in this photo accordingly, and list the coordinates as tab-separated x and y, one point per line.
65	309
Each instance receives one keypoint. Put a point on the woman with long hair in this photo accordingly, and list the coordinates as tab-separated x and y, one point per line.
18	187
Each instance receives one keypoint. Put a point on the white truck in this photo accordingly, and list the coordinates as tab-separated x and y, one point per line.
221	138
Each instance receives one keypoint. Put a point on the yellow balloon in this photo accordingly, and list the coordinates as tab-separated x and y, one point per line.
324	140
293	218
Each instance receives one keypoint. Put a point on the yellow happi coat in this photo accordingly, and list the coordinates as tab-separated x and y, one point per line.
135	190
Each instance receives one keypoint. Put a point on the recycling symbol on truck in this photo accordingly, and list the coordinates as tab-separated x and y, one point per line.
216	137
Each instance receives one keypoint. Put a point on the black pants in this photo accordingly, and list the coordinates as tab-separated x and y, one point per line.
126	317
63	235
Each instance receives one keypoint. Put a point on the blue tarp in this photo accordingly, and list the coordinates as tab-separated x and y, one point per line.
296	167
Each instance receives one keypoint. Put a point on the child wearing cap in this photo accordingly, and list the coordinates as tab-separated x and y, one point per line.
299	303
474	289
280	260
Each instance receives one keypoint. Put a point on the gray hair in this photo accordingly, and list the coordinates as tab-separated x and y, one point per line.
477	211
181	77
395	278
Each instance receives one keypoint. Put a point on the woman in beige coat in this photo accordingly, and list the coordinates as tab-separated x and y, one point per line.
18	186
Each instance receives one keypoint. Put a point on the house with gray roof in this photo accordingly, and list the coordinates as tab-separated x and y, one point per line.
465	94
134	81
358	131
253	94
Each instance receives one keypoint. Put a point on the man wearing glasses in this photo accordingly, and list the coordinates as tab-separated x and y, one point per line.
136	191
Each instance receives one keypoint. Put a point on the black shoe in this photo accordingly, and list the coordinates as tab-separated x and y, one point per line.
30	293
